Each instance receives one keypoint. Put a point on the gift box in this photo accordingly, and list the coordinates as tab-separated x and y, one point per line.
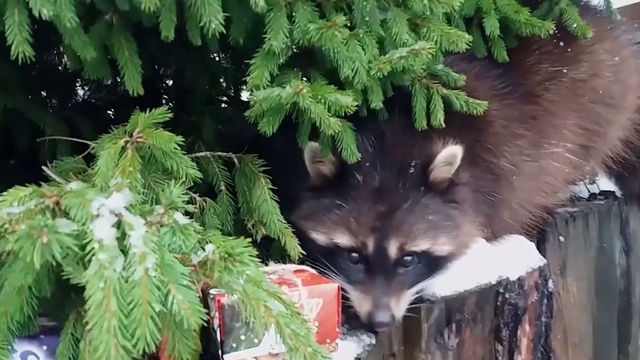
41	346
317	297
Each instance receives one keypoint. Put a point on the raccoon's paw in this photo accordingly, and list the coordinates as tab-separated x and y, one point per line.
484	264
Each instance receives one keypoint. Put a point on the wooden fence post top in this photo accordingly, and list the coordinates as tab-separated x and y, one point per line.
484	264
509	320
592	250
502	292
583	304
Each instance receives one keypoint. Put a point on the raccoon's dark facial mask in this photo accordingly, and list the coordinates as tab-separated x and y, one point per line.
379	288
380	244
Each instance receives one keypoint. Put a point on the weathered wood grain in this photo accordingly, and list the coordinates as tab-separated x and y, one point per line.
523	318
629	307
592	250
570	248
584	305
507	321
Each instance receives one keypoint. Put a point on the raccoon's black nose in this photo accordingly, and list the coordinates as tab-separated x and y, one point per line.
382	320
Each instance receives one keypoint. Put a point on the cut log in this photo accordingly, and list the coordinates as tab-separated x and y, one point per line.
507	319
510	320
584	304
593	251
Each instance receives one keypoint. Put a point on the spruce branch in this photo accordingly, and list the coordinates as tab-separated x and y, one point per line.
46	138
65	138
128	232
210	154
257	202
52	175
132	250
233	265
17	29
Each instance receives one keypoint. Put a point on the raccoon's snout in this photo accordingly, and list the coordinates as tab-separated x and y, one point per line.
382	319
378	312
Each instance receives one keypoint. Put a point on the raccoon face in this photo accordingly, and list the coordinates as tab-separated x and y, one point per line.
379	231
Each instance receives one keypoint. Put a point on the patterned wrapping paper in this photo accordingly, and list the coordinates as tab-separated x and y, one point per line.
38	347
317	297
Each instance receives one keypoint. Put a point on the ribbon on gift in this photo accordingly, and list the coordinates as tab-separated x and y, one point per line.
287	271
310	307
288	268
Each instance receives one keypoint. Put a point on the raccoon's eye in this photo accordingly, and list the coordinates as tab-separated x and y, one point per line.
409	260
354	258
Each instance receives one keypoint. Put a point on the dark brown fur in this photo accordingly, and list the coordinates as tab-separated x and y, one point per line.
560	106
573	104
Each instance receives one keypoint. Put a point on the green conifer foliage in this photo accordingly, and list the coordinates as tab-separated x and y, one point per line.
118	233
117	246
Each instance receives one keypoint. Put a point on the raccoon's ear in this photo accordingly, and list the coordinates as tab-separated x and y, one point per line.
445	165
321	168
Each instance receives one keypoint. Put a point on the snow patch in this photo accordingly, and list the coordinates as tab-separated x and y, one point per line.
353	345
205	253
108	212
620	3
180	218
65	226
16	209
616	3
74	185
603	182
484	264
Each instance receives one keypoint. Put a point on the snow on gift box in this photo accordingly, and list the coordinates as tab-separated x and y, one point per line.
317	297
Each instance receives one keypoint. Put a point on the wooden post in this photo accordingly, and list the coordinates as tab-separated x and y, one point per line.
507	321
593	253
629	309
584	304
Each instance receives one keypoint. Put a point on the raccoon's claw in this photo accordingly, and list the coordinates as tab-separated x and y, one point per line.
450	334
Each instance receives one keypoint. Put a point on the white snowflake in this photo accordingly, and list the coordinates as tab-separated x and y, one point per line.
180	218
107	211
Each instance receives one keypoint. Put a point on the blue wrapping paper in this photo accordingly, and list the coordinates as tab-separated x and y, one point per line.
38	347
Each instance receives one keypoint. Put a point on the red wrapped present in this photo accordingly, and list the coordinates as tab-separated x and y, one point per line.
316	296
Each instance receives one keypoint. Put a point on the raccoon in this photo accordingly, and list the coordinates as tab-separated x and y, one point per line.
416	199
381	229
